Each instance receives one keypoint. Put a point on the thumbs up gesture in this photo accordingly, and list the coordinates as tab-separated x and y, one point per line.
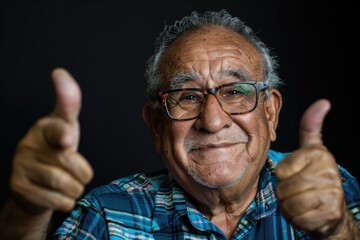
310	189
48	172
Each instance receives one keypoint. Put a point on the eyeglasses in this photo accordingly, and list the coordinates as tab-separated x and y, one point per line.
234	98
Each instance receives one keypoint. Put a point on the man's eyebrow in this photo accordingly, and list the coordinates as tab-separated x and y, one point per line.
239	74
179	79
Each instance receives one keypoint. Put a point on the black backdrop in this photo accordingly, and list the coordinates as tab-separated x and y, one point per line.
105	44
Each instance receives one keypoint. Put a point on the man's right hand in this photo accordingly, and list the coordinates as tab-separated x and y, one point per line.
48	173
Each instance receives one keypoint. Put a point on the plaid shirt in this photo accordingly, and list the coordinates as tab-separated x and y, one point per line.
155	207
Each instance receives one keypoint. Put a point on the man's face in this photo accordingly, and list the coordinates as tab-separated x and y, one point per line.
216	150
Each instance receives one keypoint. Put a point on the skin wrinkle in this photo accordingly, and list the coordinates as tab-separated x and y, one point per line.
222	170
195	146
174	59
198	140
215	158
180	79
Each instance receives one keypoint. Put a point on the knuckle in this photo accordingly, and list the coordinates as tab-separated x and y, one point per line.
58	202
79	192
58	181
332	174
336	214
89	175
336	193
66	184
320	152
66	160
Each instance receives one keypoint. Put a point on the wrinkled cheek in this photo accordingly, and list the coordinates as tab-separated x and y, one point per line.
264	133
176	163
166	146
261	144
258	142
166	139
172	151
173	138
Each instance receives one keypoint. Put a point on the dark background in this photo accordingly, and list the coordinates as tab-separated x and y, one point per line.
105	45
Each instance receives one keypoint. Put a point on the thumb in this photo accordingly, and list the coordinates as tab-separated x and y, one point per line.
68	96
311	123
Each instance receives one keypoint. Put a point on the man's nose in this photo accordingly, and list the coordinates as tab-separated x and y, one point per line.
212	118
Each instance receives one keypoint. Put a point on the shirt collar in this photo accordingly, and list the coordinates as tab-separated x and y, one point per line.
171	203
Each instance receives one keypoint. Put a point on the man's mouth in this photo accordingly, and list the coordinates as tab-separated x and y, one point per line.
209	147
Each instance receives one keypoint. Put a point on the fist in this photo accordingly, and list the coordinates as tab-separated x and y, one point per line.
310	189
48	172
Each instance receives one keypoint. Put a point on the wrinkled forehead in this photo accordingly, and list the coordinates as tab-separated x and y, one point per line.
208	53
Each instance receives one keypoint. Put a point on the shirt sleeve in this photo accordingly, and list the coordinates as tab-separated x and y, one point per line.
352	193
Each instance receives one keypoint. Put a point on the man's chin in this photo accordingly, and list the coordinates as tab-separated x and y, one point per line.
214	184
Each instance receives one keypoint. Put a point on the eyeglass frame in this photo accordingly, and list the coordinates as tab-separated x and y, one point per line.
259	86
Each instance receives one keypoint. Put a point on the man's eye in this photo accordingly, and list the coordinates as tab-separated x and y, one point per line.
234	92
243	89
189	98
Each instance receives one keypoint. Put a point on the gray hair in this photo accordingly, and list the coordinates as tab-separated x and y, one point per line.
203	20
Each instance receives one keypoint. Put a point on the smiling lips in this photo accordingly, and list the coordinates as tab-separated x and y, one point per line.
210	147
203	143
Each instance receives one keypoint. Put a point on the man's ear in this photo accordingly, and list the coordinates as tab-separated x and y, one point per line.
272	110
152	118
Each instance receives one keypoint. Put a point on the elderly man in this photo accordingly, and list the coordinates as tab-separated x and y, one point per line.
212	111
